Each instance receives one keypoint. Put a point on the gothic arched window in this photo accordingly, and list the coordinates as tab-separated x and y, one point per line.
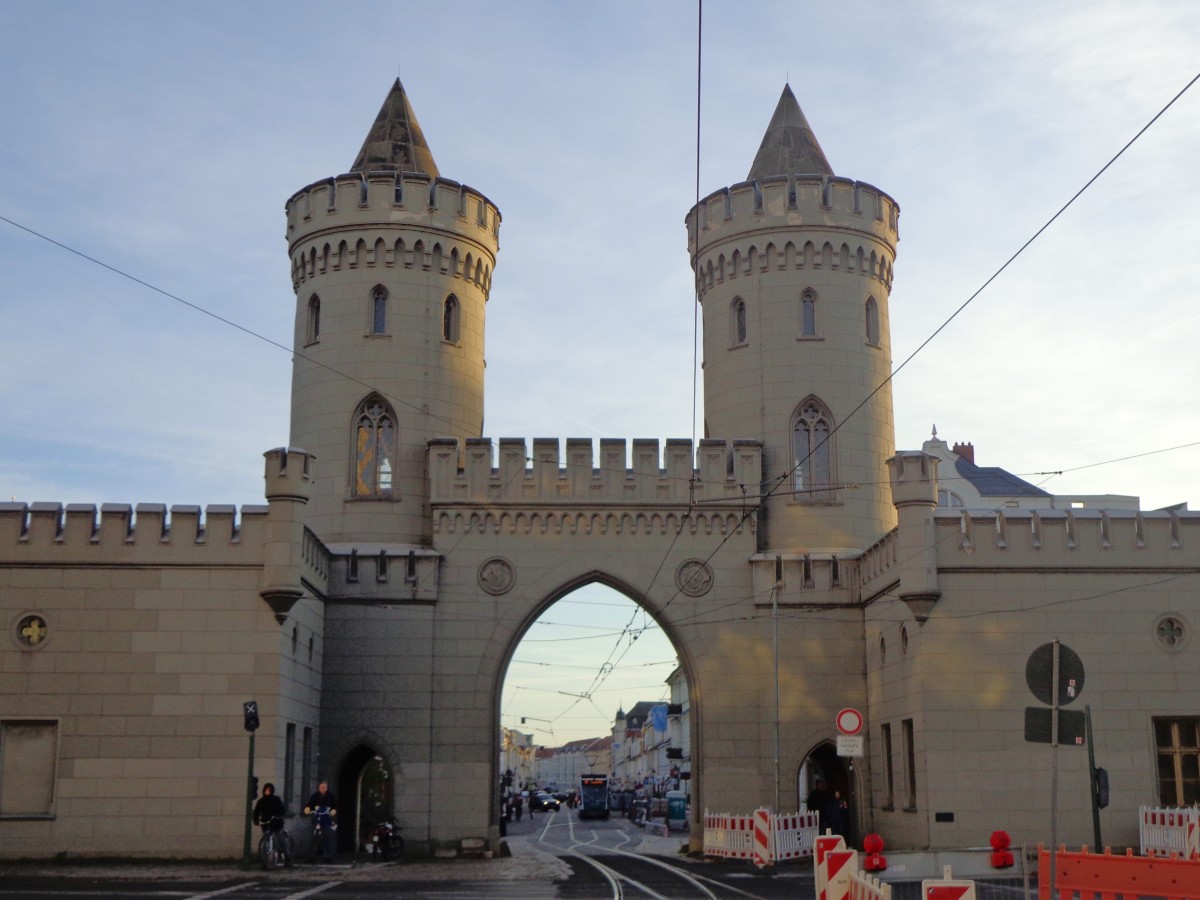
812	452
312	331
379	303
737	322
450	320
808	314
872	312
374	448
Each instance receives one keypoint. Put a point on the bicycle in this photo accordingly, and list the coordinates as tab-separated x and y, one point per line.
273	848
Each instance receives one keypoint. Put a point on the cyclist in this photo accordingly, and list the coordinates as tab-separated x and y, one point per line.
268	812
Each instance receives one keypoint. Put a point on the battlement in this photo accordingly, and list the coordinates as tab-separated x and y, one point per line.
52	533
741	229
319	215
1130	538
712	473
783	201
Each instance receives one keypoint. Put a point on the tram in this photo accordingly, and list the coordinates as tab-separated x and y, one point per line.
593	796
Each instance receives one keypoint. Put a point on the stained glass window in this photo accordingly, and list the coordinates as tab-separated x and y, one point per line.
375	442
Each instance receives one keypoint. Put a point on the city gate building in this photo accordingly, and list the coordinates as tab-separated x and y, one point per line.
372	605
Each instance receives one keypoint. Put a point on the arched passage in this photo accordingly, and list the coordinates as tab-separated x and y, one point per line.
826	784
593	684
365	791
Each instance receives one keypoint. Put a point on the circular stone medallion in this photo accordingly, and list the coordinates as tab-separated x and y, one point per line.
496	576
694	578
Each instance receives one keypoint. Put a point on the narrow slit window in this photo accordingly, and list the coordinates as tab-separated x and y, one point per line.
450	319
808	314
379	304
872	324
738	322
313	328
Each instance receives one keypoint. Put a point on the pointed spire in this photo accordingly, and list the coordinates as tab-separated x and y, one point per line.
789	147
395	142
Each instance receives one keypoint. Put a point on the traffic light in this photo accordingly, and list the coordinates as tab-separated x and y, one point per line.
250	714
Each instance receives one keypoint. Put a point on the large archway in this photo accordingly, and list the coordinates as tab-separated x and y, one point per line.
594	684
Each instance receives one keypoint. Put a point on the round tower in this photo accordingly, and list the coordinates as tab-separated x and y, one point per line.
793	269
391	265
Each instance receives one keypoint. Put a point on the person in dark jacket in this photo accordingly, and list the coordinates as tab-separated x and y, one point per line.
268	812
323	799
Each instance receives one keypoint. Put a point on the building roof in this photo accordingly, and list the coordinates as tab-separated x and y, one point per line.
789	147
992	481
597	744
395	142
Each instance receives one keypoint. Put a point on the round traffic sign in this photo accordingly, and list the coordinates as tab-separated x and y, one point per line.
1039	674
849	721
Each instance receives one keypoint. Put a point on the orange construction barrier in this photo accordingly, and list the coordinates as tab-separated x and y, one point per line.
1107	877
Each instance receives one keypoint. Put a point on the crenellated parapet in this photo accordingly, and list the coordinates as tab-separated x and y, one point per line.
839	225
1163	539
387	220
121	534
462	472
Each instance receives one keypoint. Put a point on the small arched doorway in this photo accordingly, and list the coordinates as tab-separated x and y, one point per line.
825	782
365	788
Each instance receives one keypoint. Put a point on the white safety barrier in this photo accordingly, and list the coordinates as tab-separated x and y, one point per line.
1167	830
728	835
795	834
761	837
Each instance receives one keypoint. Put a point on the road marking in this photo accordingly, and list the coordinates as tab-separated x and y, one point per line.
321	887
227	890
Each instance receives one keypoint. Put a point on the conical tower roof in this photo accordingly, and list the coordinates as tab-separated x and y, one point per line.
789	147
395	142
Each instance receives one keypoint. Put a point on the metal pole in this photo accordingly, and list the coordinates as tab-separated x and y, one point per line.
249	800
775	629
1053	762
1087	713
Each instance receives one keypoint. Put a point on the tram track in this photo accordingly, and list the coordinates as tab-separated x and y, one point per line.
636	875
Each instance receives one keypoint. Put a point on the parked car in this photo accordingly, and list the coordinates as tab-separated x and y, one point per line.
543	801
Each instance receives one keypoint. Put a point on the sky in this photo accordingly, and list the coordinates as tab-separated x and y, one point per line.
162	140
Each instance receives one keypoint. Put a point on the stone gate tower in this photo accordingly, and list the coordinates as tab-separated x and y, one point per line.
392	265
793	268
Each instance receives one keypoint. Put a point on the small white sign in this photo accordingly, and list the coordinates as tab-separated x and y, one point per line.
849	745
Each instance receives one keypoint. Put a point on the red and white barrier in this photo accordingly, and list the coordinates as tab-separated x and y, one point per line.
838	876
1170	830
947	888
762	837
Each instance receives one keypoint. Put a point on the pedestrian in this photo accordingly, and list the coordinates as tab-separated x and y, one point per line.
837	814
519	803
818	802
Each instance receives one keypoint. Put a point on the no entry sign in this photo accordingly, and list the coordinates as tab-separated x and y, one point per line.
849	721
